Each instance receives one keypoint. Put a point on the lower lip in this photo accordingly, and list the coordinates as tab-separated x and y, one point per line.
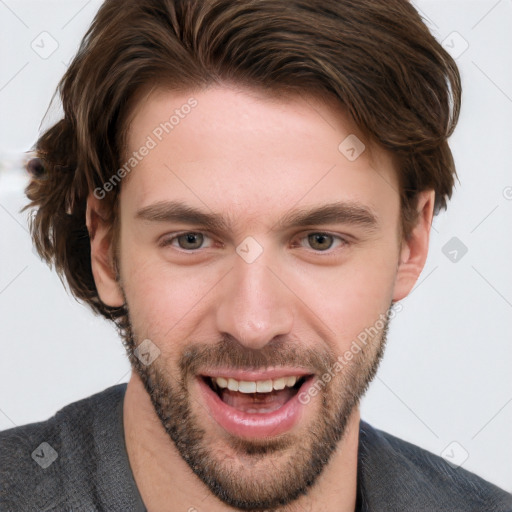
254	425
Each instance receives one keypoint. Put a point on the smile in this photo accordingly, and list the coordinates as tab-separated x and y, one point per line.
254	408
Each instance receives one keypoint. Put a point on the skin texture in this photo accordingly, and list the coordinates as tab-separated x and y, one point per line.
301	302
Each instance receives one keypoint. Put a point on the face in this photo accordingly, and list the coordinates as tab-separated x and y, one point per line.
253	254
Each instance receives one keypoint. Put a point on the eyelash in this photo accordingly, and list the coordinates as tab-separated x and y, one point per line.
343	241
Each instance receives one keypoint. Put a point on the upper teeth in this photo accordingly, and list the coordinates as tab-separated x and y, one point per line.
251	386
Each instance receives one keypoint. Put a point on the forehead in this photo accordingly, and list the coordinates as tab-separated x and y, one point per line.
251	156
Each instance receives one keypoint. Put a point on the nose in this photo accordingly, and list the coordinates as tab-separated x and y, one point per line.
255	305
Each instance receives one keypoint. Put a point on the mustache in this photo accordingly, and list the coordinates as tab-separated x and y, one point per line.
228	352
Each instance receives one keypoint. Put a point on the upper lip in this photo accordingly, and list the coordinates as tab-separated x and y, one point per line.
255	375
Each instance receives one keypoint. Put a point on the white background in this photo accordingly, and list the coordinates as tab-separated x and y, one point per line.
446	375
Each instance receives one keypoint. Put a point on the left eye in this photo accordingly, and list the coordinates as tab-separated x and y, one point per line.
187	241
322	241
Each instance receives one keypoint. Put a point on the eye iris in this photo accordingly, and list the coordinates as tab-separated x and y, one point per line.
196	239
318	241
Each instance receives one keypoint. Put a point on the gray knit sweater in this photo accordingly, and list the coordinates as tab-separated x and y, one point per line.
77	461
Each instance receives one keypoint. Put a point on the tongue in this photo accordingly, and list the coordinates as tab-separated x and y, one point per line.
257	402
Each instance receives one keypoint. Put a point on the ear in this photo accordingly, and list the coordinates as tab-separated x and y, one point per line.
101	254
414	249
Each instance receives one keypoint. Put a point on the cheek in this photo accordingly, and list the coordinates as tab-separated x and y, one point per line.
163	299
351	297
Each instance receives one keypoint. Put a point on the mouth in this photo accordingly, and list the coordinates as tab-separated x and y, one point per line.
257	397
255	408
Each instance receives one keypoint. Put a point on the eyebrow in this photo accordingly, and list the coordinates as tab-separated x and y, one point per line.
332	213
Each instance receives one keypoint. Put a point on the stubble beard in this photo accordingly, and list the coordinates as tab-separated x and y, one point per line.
268	474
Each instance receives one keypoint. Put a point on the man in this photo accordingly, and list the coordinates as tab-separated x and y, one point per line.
245	188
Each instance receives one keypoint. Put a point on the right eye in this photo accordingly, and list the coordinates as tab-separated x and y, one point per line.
187	241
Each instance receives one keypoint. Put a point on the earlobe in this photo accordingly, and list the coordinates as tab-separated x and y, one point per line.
101	254
414	251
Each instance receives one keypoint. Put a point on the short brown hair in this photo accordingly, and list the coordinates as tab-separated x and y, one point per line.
376	57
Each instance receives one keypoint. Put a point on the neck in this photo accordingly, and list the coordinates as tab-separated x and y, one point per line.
166	483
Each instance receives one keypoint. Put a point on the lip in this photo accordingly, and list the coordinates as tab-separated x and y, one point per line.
255	425
272	373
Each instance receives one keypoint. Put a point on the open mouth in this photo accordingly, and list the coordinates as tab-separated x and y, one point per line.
256	396
259	408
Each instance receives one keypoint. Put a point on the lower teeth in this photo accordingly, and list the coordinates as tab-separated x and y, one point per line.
261	411
259	403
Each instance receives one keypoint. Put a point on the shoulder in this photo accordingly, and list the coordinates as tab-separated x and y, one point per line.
403	476
48	465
